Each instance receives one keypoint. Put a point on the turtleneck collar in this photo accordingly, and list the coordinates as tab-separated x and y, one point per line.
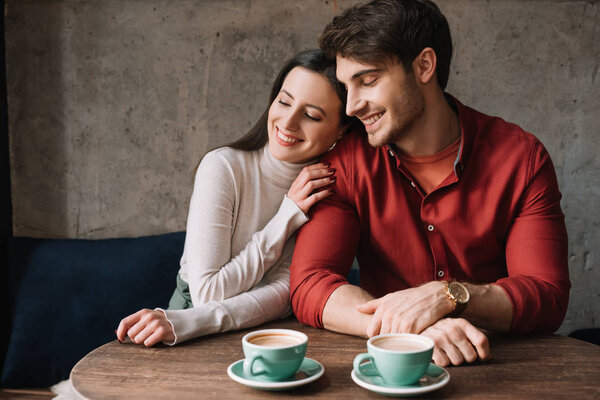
281	173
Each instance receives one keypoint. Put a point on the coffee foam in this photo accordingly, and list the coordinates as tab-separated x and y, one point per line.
401	344
275	340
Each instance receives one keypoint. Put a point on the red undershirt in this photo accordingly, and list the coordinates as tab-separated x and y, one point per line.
430	171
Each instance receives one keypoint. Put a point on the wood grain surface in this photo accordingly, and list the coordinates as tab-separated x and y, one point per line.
528	367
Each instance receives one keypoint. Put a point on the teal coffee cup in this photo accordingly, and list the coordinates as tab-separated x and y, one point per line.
273	354
400	359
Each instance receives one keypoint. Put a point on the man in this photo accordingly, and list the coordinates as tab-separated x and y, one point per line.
450	213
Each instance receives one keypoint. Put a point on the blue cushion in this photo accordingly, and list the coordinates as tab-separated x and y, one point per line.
68	297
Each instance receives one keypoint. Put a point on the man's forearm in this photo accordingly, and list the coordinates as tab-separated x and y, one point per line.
340	313
489	308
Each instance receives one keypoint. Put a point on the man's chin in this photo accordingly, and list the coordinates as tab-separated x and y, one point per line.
376	140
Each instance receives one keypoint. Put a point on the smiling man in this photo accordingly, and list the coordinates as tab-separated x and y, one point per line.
453	215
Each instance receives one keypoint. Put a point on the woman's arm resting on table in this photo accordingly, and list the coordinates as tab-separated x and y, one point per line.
267	301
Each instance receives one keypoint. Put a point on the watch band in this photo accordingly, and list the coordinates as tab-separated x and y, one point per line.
460	303
452	299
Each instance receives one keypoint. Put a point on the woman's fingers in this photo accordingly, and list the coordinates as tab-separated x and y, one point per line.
314	198
316	184
309	186
127	322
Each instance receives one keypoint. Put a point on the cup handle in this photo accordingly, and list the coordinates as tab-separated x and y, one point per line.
249	363
358	361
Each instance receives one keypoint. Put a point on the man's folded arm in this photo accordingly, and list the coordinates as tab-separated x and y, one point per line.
325	249
536	253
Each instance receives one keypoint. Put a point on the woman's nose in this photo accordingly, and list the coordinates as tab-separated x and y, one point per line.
290	121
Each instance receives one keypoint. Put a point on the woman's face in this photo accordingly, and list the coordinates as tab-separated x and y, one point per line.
304	119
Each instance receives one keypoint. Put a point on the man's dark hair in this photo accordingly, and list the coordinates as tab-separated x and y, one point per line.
384	29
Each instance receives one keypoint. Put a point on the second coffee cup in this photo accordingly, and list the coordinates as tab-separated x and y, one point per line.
273	354
399	358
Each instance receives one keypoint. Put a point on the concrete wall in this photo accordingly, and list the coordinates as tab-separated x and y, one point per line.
112	103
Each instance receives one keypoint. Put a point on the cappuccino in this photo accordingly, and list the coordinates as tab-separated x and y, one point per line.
400	344
273	354
275	340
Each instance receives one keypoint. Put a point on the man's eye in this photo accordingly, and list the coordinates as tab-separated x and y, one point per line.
369	83
283	103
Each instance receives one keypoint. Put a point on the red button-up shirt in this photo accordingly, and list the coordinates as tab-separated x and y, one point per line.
495	219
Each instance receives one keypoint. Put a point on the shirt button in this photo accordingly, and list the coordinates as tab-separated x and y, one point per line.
441	274
430	228
391	153
413	184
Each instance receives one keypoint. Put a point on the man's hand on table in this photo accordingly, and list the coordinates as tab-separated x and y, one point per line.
456	341
146	327
422	310
407	311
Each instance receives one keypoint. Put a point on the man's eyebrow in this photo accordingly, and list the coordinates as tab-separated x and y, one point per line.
364	72
307	105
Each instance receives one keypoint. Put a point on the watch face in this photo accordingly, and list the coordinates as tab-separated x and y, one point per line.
459	292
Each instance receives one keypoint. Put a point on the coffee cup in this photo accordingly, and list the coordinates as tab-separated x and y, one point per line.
399	358
273	354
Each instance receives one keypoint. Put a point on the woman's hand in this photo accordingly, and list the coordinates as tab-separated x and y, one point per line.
311	185
146	326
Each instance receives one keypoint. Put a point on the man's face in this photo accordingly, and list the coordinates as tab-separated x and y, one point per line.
384	97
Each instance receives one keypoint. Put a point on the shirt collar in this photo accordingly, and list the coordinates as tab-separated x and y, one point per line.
465	123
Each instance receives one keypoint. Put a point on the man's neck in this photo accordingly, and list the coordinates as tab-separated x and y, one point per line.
435	130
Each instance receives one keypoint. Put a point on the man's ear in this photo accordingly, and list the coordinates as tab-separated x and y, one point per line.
424	65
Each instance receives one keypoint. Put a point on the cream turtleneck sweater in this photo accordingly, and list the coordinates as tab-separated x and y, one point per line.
239	243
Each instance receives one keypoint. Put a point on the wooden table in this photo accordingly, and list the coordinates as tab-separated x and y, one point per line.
531	367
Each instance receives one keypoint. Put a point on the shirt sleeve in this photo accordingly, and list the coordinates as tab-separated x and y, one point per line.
212	272
265	302
325	249
536	252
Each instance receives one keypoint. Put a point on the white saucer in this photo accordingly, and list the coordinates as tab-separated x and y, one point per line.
310	371
435	377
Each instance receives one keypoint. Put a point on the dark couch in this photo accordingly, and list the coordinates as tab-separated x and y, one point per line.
68	296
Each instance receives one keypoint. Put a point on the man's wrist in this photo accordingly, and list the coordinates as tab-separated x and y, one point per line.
459	295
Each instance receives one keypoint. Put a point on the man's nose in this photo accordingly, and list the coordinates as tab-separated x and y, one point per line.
354	103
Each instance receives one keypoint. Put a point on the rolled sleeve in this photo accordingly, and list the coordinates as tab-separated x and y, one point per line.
536	253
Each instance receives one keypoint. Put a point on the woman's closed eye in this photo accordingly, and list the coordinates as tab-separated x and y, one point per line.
312	118
283	103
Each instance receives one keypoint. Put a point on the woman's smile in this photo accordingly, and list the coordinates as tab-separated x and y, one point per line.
285	139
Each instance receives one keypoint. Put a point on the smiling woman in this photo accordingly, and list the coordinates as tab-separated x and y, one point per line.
249	199
304	118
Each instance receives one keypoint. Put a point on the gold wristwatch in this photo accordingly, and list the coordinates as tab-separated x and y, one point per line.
458	293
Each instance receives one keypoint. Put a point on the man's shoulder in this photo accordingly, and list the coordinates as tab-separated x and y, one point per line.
492	136
493	128
352	145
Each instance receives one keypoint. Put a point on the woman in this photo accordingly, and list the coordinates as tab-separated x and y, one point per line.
239	241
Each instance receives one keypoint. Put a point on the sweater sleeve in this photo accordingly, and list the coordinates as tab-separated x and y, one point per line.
536	253
212	272
267	301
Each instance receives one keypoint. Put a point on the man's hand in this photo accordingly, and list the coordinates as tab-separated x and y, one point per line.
146	327
457	341
407	311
